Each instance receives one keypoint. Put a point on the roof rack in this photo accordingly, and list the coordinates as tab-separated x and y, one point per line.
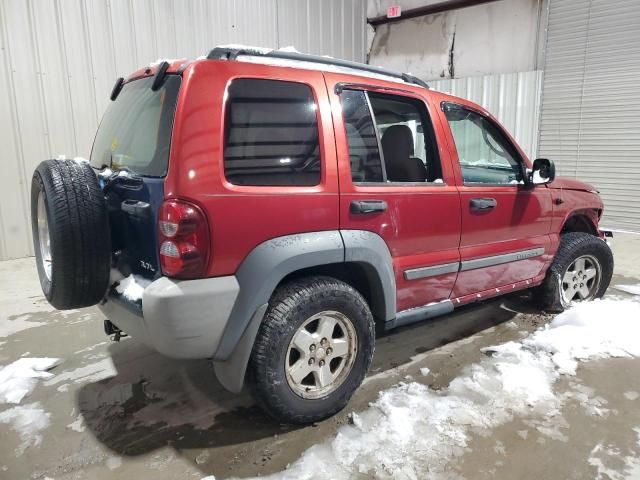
227	53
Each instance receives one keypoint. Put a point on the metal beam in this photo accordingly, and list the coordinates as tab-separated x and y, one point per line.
427	10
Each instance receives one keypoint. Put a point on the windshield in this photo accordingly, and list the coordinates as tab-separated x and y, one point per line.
135	131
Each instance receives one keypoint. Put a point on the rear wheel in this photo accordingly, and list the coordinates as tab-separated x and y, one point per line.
312	351
581	271
71	236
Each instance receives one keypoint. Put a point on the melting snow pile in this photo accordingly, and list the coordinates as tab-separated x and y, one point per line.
413	432
28	421
18	379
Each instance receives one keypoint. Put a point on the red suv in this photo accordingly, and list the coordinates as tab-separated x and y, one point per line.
269	210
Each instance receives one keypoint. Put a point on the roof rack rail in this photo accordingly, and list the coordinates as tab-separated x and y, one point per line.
227	53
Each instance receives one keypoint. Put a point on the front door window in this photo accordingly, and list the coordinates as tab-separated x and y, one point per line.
484	154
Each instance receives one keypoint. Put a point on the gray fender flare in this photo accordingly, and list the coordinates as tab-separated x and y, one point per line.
369	250
265	267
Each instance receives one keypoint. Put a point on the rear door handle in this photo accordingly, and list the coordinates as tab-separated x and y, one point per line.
482	203
367	206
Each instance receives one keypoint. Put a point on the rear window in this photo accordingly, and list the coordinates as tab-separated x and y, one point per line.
271	134
135	131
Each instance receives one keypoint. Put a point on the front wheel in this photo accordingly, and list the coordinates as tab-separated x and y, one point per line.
581	271
312	351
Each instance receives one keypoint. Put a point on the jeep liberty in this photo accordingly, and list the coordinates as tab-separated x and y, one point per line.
271	210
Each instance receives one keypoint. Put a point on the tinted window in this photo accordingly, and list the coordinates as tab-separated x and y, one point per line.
485	154
271	134
135	131
366	165
400	128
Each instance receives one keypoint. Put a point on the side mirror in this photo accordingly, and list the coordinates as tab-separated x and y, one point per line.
544	171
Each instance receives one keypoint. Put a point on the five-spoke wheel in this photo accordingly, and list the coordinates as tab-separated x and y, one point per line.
581	279
321	354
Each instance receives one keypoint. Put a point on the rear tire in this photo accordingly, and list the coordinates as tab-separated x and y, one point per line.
590	255
71	236
336	362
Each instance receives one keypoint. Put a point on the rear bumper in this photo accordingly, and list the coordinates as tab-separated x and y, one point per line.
179	318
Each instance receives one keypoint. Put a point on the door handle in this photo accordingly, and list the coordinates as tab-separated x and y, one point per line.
482	203
367	206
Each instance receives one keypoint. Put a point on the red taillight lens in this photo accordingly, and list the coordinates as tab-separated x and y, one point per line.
184	239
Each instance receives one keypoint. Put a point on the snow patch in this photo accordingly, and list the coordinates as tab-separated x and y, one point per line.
611	464
599	329
28	421
631	395
132	287
632	289
77	425
9	327
18	379
424	371
75	159
114	462
105	173
412	431
93	372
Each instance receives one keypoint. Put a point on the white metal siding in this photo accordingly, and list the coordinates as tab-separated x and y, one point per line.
590	118
59	60
513	98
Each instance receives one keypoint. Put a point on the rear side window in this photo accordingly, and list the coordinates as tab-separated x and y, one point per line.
135	131
271	134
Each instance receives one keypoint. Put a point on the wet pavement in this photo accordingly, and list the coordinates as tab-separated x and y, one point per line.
119	410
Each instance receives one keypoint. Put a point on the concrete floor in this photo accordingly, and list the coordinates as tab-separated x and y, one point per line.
121	411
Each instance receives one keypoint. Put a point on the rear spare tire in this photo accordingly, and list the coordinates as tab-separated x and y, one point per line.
70	229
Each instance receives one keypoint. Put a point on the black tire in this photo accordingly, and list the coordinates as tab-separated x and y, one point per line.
572	246
79	235
291	305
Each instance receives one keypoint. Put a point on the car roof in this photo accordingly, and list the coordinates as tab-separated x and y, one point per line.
287	58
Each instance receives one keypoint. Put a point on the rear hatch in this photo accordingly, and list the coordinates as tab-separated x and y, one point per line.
131	155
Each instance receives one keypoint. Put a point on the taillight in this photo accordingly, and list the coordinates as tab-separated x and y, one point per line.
184	239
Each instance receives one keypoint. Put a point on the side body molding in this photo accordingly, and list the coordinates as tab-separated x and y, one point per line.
271	261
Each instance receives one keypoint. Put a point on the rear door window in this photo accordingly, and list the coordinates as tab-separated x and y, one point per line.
135	131
271	134
390	137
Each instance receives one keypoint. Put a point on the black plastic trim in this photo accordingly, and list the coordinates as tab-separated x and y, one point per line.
117	88
223	53
158	80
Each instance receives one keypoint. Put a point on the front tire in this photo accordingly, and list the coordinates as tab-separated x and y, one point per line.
312	351
581	271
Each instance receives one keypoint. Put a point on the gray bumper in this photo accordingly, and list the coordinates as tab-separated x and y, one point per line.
179	318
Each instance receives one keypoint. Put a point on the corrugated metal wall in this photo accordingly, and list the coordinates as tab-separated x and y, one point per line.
590	120
514	98
61	58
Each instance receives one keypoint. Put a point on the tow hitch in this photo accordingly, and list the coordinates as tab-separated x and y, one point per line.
112	331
